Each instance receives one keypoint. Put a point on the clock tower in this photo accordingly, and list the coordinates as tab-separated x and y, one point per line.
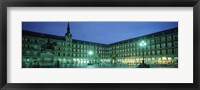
68	38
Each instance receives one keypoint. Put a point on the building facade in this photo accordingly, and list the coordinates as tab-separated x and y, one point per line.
46	50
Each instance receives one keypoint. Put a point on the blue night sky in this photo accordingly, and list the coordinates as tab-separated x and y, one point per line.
99	32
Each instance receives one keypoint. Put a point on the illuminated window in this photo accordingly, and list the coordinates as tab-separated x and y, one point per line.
164	58
169	58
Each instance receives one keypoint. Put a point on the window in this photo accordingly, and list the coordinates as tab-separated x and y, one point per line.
163	51
158	39
34	53
175	37
28	52
35	46
145	53
169	38
169	44
158	52
148	47
148	41
163	39
175	44
137	49
157	46
176	51
58	43
152	46
169	51
28	40
152	40
153	52
149	52
141	53
138	54
163	45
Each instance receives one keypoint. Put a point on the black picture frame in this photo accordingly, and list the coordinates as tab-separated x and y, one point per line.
98	3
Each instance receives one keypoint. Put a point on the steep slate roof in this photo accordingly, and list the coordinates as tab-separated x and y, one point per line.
42	35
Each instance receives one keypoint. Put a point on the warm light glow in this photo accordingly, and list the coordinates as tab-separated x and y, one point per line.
169	58
164	58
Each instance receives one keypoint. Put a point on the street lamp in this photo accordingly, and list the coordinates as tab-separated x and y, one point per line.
143	44
90	53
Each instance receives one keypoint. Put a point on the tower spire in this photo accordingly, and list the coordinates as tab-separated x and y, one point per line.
68	30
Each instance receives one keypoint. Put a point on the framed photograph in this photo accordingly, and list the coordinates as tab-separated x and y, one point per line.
131	44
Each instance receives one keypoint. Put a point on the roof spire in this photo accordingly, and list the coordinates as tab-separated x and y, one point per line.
68	30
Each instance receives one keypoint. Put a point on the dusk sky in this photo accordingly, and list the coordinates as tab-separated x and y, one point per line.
99	32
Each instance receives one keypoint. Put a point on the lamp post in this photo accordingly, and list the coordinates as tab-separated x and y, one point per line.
90	53
143	44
